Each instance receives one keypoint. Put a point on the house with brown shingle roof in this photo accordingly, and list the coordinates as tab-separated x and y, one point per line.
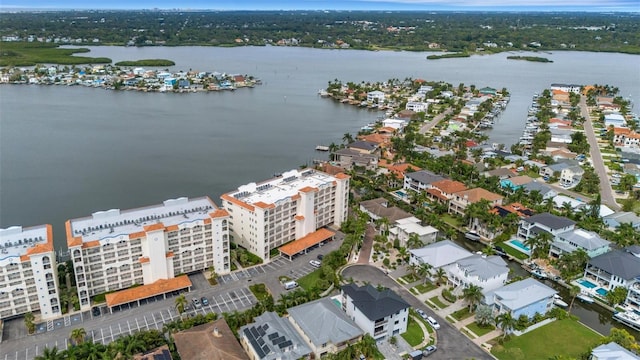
210	341
443	190
462	199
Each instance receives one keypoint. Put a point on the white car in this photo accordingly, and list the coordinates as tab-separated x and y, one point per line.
422	314
433	322
315	263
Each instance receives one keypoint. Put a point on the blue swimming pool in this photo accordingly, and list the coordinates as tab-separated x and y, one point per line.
401	193
519	245
601	292
588	284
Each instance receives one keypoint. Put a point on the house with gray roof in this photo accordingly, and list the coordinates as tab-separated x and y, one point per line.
487	272
531	226
617	268
379	208
380	313
271	337
363	146
546	191
616	219
524	297
438	254
348	158
324	326
420	180
612	351
570	241
549	170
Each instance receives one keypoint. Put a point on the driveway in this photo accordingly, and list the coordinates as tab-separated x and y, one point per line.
451	343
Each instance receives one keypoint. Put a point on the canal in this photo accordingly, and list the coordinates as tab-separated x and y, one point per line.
592	315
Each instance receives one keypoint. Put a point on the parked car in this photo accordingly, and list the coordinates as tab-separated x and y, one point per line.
95	311
429	350
422	314
315	263
320	257
196	303
204	301
433	322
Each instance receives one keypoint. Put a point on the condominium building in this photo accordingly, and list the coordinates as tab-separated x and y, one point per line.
266	215
28	272
114	249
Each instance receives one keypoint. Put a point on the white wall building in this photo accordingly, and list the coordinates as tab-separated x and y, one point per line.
489	273
417	106
404	228
375	96
114	249
381	314
28	272
269	214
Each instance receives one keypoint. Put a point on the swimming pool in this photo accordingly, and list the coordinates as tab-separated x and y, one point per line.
588	284
401	193
601	292
519	245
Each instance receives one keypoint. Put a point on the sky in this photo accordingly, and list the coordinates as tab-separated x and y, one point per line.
425	5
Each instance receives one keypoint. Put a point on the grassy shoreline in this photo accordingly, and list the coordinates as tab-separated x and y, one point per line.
530	58
146	62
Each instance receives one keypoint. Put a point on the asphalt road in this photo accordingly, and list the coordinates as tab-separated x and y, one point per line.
452	344
428	126
606	192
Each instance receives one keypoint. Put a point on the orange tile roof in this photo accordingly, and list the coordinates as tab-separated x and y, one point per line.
264	205
308	189
71	240
172	228
437	194
375	138
306	242
299	217
154	227
233	200
560	92
477	194
219	213
42	248
144	259
89	244
138	234
449	186
621	131
159	287
342	176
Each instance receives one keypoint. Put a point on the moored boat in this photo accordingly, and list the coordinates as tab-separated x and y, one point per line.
322	148
557	300
584	297
473	236
629	318
539	274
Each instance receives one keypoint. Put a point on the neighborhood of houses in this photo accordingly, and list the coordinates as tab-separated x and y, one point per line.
124	78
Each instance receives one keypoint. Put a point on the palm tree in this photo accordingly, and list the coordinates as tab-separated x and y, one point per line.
539	244
414	241
28	322
78	335
91	350
50	354
472	295
441	276
423	271
574	290
402	253
347	138
181	303
505	322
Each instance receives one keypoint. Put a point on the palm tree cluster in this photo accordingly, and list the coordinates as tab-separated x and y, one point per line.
366	346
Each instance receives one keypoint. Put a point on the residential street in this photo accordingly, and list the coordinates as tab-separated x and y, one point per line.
428	126
452	344
606	191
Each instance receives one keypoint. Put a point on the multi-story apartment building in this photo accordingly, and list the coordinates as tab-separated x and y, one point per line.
114	249
269	214
28	272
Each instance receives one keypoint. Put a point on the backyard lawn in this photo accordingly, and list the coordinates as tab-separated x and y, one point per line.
513	252
414	334
565	337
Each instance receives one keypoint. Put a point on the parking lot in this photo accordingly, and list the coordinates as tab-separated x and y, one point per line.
278	265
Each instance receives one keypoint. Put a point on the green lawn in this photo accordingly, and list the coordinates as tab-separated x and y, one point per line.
513	252
409	278
563	337
450	220
479	331
423	288
436	300
309	281
462	314
414	334
259	291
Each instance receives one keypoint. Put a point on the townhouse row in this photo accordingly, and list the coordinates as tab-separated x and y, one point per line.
154	247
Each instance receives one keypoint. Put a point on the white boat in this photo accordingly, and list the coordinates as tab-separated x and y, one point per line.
584	297
322	148
323	93
539	274
473	236
557	300
629	318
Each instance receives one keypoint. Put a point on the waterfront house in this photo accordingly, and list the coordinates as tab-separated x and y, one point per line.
612	351
324	326
375	96
524	297
462	199
489	230
487	272
396	124
616	219
615	120
364	147
210	341
570	241
403	229
420	180
438	254
380	313
501	172
488	91
556	169
379	208
350	158
560	201
515	183
574	88
571	175
270	337
443	190
417	106
617	268
550	223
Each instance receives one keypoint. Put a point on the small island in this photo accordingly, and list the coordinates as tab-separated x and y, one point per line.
530	58
448	56
146	62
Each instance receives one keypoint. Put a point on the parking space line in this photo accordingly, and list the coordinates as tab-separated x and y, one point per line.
145	321
137	325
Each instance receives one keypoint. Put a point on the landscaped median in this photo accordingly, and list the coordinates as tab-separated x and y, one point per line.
565	338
